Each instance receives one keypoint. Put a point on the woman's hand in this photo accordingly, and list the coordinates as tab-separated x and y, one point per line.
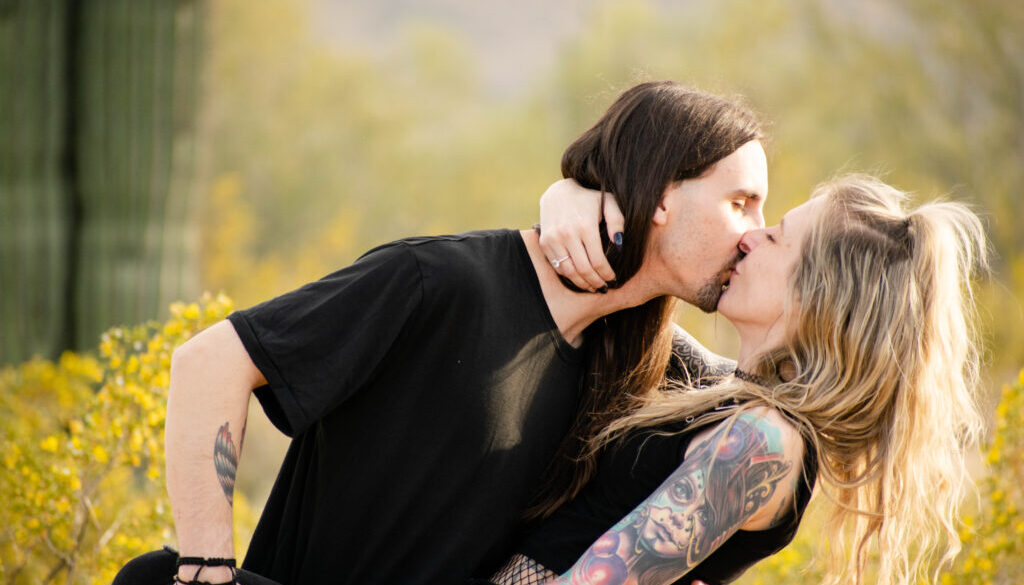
569	237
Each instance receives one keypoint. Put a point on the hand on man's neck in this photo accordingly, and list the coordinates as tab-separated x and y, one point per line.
572	311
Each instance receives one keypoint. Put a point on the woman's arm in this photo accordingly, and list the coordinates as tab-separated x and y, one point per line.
212	378
733	476
569	219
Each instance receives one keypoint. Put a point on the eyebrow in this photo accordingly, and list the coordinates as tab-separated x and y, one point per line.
748	194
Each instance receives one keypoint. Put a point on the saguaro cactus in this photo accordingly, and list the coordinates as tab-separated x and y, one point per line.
97	101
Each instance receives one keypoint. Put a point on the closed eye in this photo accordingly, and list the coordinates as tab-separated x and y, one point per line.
770	237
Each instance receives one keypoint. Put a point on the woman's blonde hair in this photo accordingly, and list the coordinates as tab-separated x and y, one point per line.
879	375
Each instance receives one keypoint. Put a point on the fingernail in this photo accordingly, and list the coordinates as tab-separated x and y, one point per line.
618	239
603	290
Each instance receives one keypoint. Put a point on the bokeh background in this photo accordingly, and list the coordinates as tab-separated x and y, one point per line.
155	150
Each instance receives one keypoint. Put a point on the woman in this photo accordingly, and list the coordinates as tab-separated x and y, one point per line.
857	365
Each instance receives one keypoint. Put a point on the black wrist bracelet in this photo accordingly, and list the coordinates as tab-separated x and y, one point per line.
203	562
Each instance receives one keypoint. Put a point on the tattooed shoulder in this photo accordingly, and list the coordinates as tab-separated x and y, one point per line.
731	474
774	452
693	364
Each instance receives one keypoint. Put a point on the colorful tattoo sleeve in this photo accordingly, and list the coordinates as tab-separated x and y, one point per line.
724	480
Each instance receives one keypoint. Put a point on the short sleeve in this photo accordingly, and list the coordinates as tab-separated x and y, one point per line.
319	344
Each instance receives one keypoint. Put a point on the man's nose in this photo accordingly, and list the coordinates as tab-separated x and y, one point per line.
749	241
758	220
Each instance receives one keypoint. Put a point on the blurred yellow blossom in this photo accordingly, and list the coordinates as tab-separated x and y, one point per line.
82	438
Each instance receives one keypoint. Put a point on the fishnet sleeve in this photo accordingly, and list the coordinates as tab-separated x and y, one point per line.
522	570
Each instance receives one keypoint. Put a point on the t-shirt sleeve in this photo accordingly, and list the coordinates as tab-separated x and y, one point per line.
321	343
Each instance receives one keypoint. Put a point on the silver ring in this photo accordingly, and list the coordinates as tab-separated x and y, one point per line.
558	261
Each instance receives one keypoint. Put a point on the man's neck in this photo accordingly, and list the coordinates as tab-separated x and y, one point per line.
572	311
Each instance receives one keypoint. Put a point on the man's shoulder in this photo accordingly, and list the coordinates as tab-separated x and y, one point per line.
450	248
475	238
475	254
482	263
693	364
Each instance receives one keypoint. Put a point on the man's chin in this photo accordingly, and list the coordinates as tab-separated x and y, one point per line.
707	298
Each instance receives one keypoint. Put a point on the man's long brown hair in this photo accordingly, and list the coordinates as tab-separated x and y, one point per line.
655	134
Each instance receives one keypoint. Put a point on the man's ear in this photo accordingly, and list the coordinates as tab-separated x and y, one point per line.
661	212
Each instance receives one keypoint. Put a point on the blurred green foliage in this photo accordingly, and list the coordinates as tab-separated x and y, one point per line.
316	152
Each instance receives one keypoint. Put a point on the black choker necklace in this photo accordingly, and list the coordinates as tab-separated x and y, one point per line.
752	378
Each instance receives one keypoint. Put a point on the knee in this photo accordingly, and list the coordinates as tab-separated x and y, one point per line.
153	568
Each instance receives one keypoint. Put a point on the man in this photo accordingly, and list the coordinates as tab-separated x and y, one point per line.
427	386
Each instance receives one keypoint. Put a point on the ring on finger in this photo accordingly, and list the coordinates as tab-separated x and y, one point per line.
557	261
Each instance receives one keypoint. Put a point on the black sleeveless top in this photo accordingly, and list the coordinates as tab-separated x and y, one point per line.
627	473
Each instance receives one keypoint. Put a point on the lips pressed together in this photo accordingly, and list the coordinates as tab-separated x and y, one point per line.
731	271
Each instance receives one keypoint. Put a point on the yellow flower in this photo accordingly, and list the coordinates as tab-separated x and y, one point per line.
50	444
173	328
161	379
106	345
100	454
993	455
191	312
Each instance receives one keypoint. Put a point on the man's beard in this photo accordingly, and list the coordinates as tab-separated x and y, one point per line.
707	297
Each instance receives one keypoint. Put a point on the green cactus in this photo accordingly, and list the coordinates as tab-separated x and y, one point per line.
97	102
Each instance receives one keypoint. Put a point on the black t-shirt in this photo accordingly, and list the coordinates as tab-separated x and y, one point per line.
627	473
426	387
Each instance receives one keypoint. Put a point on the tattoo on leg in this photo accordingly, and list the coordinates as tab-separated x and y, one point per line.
225	460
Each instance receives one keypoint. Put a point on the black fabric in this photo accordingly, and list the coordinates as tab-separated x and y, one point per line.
159	567
627	473
426	387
